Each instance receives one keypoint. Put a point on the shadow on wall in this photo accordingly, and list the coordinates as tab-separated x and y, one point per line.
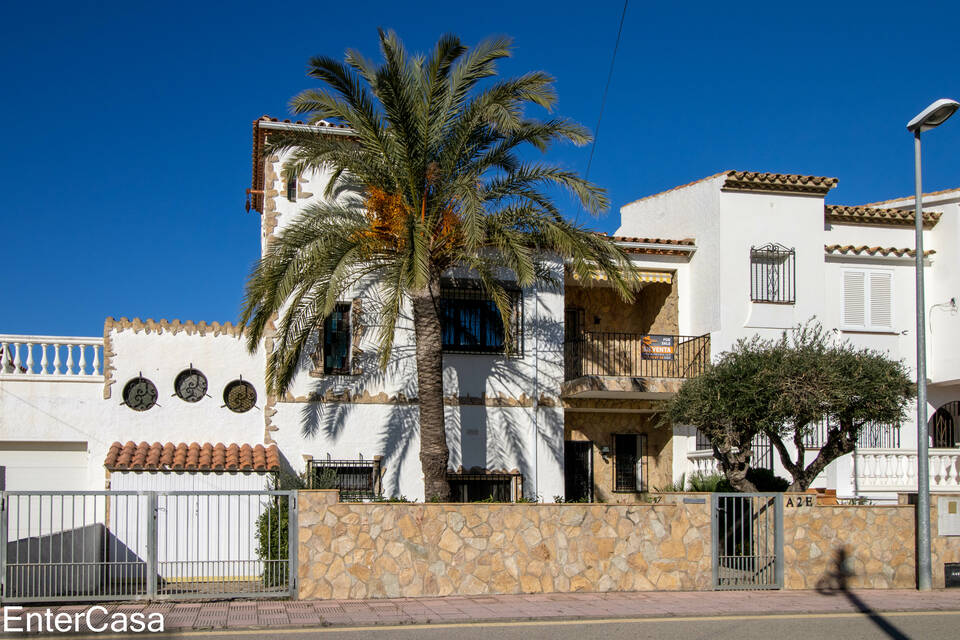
74	562
473	442
836	580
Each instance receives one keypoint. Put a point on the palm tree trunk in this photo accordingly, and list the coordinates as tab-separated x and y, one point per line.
434	454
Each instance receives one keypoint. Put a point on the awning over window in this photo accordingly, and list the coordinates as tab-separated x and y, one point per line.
643	276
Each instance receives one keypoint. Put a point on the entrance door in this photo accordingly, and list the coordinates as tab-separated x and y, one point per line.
578	470
747	540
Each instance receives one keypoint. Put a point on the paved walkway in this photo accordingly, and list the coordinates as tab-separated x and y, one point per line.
572	606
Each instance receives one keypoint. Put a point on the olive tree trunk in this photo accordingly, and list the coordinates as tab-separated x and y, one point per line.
734	465
434	454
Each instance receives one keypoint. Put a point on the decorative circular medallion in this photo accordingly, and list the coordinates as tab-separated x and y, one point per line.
139	394
239	396
191	385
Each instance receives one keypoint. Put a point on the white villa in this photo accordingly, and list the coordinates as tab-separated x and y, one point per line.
182	405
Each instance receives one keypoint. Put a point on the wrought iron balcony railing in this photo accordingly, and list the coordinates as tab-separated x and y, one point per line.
635	355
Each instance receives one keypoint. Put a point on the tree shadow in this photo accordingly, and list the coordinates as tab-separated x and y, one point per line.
334	401
836	581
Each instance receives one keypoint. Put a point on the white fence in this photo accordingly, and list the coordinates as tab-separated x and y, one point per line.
896	470
122	545
51	358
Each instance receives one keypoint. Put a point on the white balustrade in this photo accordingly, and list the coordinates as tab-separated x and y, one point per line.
17	360
702	462
896	469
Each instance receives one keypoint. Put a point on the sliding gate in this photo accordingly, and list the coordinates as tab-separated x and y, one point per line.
129	545
747	540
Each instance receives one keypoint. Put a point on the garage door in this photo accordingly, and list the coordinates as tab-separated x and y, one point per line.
44	465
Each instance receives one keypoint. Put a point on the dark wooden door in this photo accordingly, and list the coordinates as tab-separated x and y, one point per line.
578	470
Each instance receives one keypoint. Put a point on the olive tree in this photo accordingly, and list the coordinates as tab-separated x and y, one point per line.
786	388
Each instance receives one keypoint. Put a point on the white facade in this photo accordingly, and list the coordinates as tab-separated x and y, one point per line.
732	212
503	413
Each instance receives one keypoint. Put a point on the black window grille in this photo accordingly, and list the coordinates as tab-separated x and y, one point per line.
879	436
773	274
703	442
292	189
944	426
336	340
473	324
356	479
628	469
485	487
762	449
762	453
872	436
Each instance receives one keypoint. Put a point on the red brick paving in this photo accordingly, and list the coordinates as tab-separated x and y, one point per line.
558	606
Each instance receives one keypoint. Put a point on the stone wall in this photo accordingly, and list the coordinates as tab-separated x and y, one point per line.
600	428
371	550
355	550
942	548
653	311
875	543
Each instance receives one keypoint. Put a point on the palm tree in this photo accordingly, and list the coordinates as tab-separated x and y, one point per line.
434	161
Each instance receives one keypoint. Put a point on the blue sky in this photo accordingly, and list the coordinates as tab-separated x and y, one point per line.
126	147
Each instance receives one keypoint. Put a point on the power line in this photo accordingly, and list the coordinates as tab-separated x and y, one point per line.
603	101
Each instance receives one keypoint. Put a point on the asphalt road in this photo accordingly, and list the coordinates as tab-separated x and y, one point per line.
847	626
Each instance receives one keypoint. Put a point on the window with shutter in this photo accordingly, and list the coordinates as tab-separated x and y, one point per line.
867	300
881	299
854	294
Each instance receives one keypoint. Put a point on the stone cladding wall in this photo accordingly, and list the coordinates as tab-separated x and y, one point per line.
372	550
405	550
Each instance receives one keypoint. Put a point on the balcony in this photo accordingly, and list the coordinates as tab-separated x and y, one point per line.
600	363
51	358
895	470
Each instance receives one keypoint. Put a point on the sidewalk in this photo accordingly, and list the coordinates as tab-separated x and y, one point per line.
559	606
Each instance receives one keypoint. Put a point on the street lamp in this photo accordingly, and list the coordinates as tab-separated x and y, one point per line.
933	116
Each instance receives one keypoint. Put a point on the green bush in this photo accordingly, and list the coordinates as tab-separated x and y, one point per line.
763	479
709	482
273	532
326	478
679	485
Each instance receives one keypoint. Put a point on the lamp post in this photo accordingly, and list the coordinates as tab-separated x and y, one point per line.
933	116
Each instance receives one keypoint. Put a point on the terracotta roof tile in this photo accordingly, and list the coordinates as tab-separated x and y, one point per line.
778	182
191	457
849	249
872	215
685	246
758	181
911	197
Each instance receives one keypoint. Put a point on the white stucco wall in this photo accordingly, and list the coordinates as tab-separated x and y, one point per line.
490	437
67	411
686	212
715	292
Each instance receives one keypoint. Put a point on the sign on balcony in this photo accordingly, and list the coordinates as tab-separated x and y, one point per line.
657	347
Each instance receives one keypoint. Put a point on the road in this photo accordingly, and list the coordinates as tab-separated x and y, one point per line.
849	626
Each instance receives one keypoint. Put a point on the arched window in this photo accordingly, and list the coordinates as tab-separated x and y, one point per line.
944	426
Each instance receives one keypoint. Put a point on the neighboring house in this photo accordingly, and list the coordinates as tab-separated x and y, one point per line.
770	255
570	412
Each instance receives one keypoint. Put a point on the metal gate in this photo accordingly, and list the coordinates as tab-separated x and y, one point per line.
747	540
129	545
